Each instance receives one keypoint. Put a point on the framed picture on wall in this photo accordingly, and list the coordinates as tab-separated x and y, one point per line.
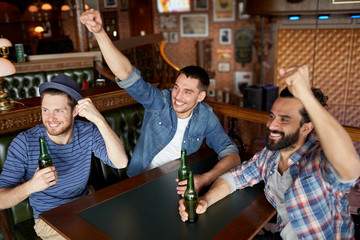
174	37
201	5
166	36
110	4
194	25
224	67
225	36
224	10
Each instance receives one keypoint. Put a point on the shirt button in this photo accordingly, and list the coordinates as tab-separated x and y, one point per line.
159	123
184	141
197	139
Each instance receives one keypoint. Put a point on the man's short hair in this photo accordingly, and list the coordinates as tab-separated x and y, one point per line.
197	73
285	93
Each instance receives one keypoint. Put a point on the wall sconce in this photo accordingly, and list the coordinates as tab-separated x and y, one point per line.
4	47
6	69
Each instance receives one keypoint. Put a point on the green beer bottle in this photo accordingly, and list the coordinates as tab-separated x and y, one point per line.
184	168
44	159
191	199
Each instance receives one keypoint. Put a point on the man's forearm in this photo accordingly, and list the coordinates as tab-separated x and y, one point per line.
9	197
219	190
230	161
335	141
114	146
117	62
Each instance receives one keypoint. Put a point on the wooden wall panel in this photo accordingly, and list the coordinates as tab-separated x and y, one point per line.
337	66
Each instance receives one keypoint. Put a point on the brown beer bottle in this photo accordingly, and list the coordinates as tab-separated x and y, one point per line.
191	199
44	159
184	168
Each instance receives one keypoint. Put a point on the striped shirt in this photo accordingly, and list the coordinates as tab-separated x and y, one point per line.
316	202
72	162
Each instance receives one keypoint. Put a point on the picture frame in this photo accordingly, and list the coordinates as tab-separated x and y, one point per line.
200	5
173	37
242	15
225	36
110	4
224	67
166	37
194	25
223	10
242	80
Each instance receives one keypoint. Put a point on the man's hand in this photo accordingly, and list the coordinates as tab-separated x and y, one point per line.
199	181
87	109
92	20
43	179
297	80
200	209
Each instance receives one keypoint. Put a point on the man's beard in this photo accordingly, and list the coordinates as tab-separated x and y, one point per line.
286	142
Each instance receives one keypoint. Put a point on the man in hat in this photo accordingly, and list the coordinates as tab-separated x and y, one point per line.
70	144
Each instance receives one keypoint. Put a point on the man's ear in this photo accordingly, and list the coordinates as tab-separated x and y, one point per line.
75	111
306	128
202	96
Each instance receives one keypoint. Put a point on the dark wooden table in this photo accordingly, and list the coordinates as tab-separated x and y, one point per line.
146	207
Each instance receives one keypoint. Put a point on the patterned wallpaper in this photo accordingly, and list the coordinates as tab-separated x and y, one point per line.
337	66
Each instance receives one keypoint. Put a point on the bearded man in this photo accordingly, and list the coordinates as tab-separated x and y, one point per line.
306	178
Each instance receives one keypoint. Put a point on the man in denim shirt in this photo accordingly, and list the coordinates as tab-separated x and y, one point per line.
306	179
174	119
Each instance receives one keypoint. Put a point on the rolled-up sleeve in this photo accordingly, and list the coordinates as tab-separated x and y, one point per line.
130	80
230	180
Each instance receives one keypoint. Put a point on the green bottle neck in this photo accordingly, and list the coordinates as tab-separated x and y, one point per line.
183	158
43	148
190	184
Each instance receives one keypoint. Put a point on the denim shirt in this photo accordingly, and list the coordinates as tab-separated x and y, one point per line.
160	123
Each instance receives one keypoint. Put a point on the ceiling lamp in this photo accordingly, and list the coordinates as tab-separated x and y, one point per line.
65	8
46	6
4	47
33	8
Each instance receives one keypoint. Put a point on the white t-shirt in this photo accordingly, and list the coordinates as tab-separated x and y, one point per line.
173	150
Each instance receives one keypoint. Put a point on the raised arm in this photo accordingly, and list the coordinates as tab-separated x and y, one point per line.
117	62
114	147
335	141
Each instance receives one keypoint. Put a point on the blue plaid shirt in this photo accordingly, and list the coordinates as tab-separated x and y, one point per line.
316	202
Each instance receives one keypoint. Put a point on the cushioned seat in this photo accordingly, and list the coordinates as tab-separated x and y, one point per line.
79	75
24	85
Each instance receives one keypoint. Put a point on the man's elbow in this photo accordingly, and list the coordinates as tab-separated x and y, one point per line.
123	163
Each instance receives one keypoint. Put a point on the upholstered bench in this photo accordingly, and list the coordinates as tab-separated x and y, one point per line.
125	121
26	85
